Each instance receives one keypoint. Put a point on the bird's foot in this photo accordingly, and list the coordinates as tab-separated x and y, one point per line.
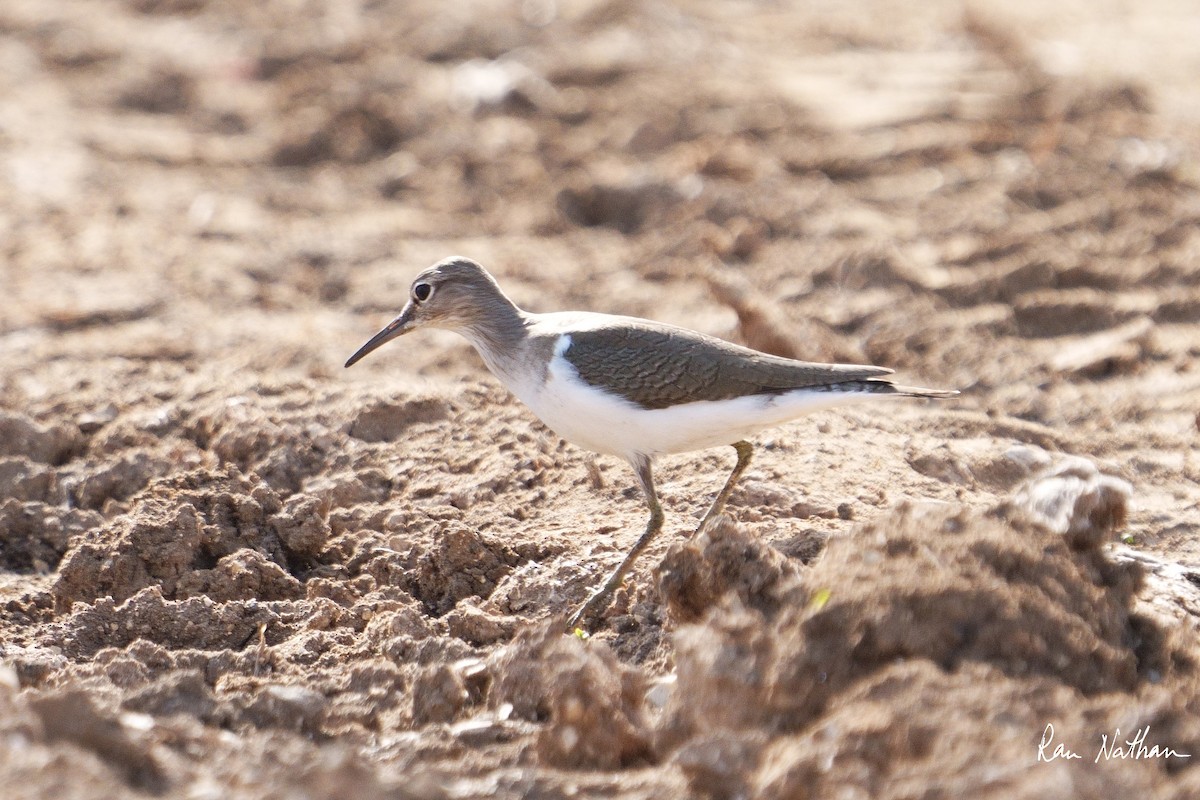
578	624
705	522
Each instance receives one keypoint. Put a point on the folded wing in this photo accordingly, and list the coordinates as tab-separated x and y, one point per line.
660	366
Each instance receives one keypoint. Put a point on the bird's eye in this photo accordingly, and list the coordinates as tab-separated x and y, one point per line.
422	292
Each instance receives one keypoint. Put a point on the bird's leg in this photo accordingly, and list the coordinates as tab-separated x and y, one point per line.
600	598
744	451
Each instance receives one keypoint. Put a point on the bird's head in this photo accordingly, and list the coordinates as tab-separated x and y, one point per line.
454	294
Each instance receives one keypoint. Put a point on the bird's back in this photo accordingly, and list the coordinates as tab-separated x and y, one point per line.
656	366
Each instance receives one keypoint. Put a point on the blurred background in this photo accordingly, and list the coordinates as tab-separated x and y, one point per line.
194	181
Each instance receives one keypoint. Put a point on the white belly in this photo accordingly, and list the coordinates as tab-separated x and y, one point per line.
607	423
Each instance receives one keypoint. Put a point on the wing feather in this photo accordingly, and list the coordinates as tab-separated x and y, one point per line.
656	366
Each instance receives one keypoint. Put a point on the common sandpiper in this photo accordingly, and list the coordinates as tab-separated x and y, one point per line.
629	387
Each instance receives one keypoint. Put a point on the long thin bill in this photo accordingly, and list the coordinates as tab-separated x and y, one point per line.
397	327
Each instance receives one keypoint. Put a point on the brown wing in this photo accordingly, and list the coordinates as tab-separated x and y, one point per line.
656	366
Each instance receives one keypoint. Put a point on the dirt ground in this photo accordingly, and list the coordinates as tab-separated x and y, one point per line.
231	569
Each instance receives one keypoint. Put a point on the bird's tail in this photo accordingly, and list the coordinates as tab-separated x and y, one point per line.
881	386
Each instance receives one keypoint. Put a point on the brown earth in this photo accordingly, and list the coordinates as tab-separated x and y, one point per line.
230	569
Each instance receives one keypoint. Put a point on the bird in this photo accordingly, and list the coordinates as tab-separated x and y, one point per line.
629	387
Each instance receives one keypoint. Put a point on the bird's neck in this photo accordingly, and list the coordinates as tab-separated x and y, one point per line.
499	336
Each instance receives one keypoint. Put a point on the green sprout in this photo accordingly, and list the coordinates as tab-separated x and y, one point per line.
819	599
